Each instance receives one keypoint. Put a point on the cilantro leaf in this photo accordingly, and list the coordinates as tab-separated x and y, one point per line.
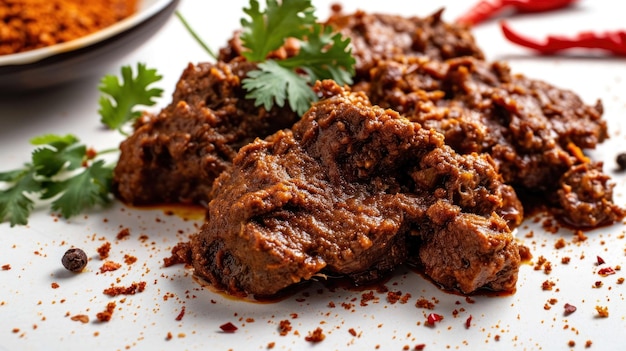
120	107
322	54
59	151
82	191
267	31
272	83
15	206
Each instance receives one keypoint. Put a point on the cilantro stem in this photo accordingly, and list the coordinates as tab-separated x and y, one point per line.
195	35
108	151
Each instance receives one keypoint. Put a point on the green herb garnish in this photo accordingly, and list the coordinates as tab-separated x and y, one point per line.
60	169
322	54
118	105
68	173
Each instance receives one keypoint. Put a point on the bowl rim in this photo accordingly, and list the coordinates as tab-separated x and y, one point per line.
144	12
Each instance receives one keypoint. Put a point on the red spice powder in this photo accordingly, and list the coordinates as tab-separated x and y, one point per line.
316	335
103	250
109	266
106	315
129	290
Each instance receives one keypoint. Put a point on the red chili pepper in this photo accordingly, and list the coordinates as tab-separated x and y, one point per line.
486	9
613	42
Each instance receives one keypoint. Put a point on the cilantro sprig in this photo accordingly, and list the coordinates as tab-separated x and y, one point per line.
65	172
60	169
322	53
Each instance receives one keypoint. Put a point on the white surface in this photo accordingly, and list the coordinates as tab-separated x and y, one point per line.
34	316
147	9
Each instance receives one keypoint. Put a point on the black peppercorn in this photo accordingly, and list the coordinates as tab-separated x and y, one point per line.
74	260
621	161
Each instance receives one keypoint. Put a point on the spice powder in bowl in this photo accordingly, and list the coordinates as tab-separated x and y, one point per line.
32	24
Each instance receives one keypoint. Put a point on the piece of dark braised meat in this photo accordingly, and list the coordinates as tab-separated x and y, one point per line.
378	37
534	131
174	156
342	192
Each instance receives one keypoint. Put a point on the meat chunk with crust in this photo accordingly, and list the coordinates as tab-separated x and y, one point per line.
341	193
174	156
376	37
534	131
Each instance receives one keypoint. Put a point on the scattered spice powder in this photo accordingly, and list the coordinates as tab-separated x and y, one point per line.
129	290
6	267
106	315
284	327
123	234
559	244
181	253
109	266
548	285
103	250
83	318
54	285
128	259
424	303
32	24
603	311
316	335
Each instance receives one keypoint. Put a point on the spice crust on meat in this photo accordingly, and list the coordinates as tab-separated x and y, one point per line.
341	192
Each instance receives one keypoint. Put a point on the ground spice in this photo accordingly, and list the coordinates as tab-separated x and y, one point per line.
32	24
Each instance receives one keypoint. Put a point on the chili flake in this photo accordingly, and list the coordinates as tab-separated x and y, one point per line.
181	314
600	260
228	327
569	309
468	322
434	318
606	271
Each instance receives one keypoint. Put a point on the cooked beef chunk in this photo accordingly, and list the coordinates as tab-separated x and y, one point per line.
533	130
174	157
340	193
379	37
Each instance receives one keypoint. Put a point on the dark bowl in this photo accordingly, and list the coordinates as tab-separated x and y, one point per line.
82	57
